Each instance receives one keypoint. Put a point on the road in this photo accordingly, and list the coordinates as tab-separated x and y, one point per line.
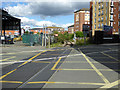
92	66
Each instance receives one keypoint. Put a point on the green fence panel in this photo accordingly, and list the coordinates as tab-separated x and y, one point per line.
31	38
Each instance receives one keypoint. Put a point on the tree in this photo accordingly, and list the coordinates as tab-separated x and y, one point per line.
79	34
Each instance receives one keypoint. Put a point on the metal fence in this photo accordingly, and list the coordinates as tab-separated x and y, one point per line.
31	39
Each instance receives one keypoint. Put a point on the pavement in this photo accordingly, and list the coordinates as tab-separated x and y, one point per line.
91	67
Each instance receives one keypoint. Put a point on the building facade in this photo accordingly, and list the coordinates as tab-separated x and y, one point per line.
104	13
38	30
59	29
71	29
10	25
81	17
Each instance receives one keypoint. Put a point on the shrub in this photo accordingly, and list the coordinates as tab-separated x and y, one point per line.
79	34
82	41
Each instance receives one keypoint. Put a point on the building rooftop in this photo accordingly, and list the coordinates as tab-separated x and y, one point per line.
71	26
36	29
83	9
53	27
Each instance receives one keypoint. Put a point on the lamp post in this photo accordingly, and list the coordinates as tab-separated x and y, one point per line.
45	35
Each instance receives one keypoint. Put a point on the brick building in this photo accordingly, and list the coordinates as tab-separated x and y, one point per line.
104	13
38	30
81	17
71	29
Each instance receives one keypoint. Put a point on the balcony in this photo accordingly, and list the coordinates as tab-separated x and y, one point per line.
112	5
111	13
111	20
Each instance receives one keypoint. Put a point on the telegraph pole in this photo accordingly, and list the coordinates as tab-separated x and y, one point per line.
45	35
49	39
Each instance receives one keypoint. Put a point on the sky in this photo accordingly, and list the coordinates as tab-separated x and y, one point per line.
38	12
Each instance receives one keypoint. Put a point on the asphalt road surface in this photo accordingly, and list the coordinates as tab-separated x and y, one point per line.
93	66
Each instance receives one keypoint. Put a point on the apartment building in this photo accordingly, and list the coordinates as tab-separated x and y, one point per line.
119	18
54	28
104	13
81	17
71	29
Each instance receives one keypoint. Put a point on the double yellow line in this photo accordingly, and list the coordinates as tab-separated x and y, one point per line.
22	64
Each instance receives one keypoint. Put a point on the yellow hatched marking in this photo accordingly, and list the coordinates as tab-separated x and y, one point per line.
11	82
110	85
31	59
87	69
8	58
41	62
109	56
56	64
98	72
20	65
67	83
7	74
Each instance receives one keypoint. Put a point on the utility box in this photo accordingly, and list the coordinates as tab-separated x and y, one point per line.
98	38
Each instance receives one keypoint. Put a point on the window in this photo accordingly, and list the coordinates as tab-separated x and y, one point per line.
95	26
112	10
99	19
111	23
77	17
95	20
99	25
102	24
119	23
102	11
102	18
95	14
10	33
111	17
119	16
119	8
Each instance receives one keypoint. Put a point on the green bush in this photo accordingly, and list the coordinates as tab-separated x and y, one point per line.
58	44
79	34
63	37
26	32
82	42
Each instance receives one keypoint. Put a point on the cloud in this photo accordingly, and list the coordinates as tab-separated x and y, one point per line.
26	22
44	9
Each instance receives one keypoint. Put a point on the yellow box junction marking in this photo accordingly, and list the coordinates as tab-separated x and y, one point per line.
109	56
21	65
53	68
31	58
7	74
8	58
11	82
85	69
85	83
98	72
110	85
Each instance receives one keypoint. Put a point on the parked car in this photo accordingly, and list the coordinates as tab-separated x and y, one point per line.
17	38
8	40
